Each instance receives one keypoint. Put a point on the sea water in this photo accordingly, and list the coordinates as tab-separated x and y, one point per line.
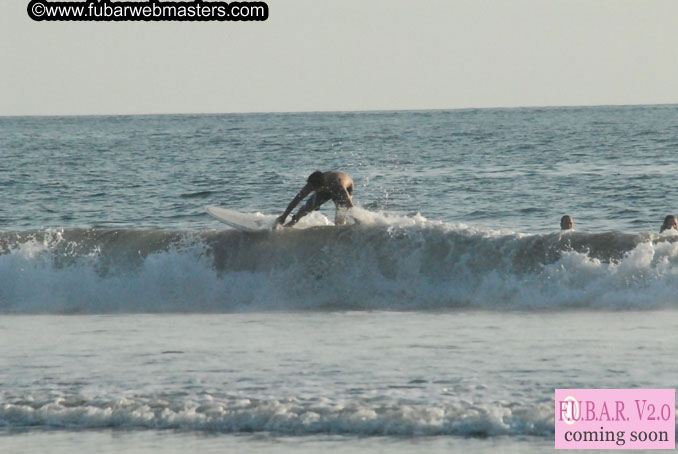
130	321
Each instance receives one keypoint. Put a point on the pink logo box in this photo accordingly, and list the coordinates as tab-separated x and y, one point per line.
615	418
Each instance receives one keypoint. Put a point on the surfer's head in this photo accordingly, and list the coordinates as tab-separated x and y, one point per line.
316	179
670	222
566	222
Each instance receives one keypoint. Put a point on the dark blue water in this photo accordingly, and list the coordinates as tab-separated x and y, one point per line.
612	168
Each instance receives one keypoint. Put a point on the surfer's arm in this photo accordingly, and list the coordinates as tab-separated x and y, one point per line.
300	214
306	190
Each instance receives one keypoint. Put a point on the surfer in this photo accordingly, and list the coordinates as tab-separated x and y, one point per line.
566	223
332	185
670	222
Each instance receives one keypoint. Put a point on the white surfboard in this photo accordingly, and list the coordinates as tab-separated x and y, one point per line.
257	222
242	221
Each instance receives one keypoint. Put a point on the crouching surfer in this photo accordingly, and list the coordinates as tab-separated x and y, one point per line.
325	186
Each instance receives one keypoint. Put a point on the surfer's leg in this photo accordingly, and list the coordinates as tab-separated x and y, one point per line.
343	202
340	215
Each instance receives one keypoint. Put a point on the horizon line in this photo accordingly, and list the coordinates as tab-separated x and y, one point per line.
338	111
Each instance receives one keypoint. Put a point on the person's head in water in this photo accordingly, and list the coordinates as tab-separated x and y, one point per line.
566	222
670	222
316	179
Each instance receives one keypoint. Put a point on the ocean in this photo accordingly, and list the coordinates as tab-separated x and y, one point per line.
443	320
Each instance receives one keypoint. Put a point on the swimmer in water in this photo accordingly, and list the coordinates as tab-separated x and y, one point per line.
566	223
670	222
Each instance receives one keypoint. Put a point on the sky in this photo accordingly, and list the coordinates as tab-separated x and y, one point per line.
332	55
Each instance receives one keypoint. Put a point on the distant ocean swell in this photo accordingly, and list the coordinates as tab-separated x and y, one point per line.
420	266
289	416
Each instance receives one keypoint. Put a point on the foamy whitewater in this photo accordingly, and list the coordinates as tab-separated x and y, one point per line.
400	264
440	319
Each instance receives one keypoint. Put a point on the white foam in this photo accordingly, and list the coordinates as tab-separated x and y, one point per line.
386	262
285	416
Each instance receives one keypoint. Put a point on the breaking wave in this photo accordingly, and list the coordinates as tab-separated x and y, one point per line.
288	416
387	263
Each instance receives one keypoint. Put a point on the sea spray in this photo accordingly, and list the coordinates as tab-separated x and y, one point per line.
382	263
